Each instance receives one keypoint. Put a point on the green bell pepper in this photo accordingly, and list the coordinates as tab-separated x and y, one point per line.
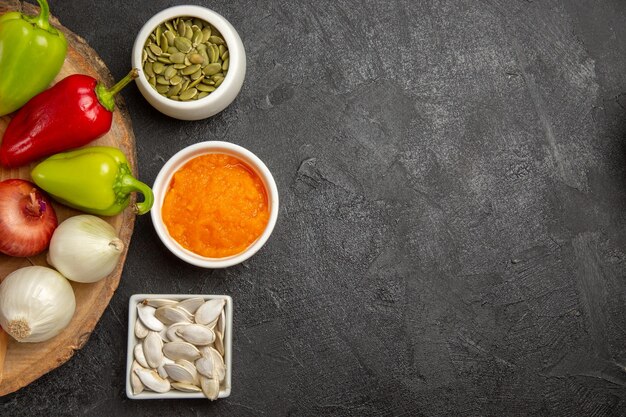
31	55
95	179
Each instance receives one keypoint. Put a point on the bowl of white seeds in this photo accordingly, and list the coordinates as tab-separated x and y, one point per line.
179	346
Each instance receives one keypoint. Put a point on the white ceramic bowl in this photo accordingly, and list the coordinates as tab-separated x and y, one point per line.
132	341
164	178
217	100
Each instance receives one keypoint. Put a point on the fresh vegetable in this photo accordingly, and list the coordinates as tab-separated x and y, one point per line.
31	55
36	303
77	110
85	248
96	180
27	219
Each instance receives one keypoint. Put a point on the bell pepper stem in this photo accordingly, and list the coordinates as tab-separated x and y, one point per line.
44	14
131	184
107	96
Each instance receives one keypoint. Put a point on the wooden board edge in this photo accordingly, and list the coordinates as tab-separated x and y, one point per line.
128	221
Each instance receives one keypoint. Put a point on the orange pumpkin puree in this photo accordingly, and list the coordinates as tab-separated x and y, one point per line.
215	206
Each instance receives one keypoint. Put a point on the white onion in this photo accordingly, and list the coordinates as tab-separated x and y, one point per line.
85	248
36	303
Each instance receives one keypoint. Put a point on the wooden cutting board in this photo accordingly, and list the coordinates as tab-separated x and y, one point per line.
26	362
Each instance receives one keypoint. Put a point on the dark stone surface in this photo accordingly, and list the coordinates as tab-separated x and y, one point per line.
452	230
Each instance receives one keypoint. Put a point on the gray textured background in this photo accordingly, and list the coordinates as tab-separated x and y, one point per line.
451	236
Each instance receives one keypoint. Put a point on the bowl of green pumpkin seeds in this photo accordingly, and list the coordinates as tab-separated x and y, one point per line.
191	62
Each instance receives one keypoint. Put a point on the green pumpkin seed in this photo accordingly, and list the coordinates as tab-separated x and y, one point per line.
169	26
212	69
183	44
196	59
170	37
197	74
205	58
161	80
185	84
157	34
201	47
176	80
150	54
225	55
202	95
172	50
144	56
155	49
222	49
204	87
217	76
190	69
210	53
152	81
177	58
164	43
219	82
169	72
195	82
214	53
206	33
164	60
175	98
174	90
147	68
216	40
188	94
158	67
179	66
225	64
188	32
181	28
162	89
198	22
197	38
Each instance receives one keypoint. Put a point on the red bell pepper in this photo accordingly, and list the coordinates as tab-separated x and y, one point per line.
72	113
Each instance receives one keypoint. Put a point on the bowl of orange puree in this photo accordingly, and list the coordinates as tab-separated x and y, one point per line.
215	204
